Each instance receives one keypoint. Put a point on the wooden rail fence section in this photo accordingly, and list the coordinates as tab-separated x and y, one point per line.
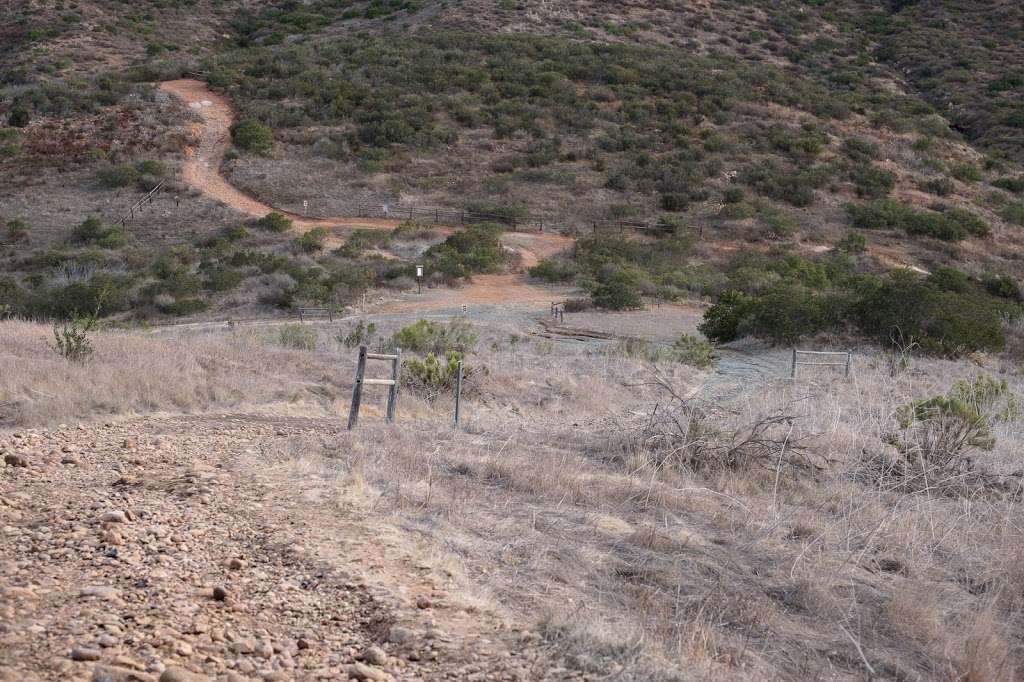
137	206
303	313
516	223
820	359
392	383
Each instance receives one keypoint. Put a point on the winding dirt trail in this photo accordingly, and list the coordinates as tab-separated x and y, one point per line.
201	171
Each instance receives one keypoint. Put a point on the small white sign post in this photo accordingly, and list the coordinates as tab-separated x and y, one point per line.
305	205
419	279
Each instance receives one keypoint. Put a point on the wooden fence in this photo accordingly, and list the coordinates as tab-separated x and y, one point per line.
137	206
516	222
821	359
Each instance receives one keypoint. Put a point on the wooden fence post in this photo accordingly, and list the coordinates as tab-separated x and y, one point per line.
357	389
849	357
458	395
792	371
396	369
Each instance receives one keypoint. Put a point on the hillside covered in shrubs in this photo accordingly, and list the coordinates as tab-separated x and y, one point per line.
886	136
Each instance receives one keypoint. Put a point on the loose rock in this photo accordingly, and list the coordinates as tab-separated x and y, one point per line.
84	653
110	673
360	671
15	460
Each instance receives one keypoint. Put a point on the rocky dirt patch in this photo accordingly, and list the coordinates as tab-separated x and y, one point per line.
152	550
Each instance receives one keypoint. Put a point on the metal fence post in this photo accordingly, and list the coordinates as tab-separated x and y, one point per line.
458	394
357	389
396	368
849	356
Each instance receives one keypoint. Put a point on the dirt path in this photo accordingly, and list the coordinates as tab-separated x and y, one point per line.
215	545
201	171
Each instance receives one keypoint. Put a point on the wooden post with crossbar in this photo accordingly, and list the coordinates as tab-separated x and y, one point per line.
361	381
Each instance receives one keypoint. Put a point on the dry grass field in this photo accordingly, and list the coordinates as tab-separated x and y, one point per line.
640	533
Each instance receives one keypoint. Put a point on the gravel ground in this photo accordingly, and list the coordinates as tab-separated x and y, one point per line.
175	549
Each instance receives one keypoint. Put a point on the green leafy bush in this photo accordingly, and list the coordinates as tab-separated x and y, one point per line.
18	117
71	339
853	242
722	320
359	335
1015	185
554	270
252	136
92	231
938	433
432	376
694	351
117	176
312	241
617	289
467	252
273	222
426	336
185	306
297	337
872	182
952	225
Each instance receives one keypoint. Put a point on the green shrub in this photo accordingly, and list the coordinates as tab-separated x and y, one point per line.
151	167
312	241
945	323
860	149
185	306
1015	185
966	172
1002	286
102	294
71	339
18	117
952	225
1013	213
222	278
942	187
359	335
617	289
252	136
872	182
467	252
297	337
425	336
722	320
786	313
853	242
733	195
940	432
432	376
554	270
694	351
273	222
117	176
92	231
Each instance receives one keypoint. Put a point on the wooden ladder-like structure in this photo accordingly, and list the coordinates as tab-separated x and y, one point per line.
392	383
